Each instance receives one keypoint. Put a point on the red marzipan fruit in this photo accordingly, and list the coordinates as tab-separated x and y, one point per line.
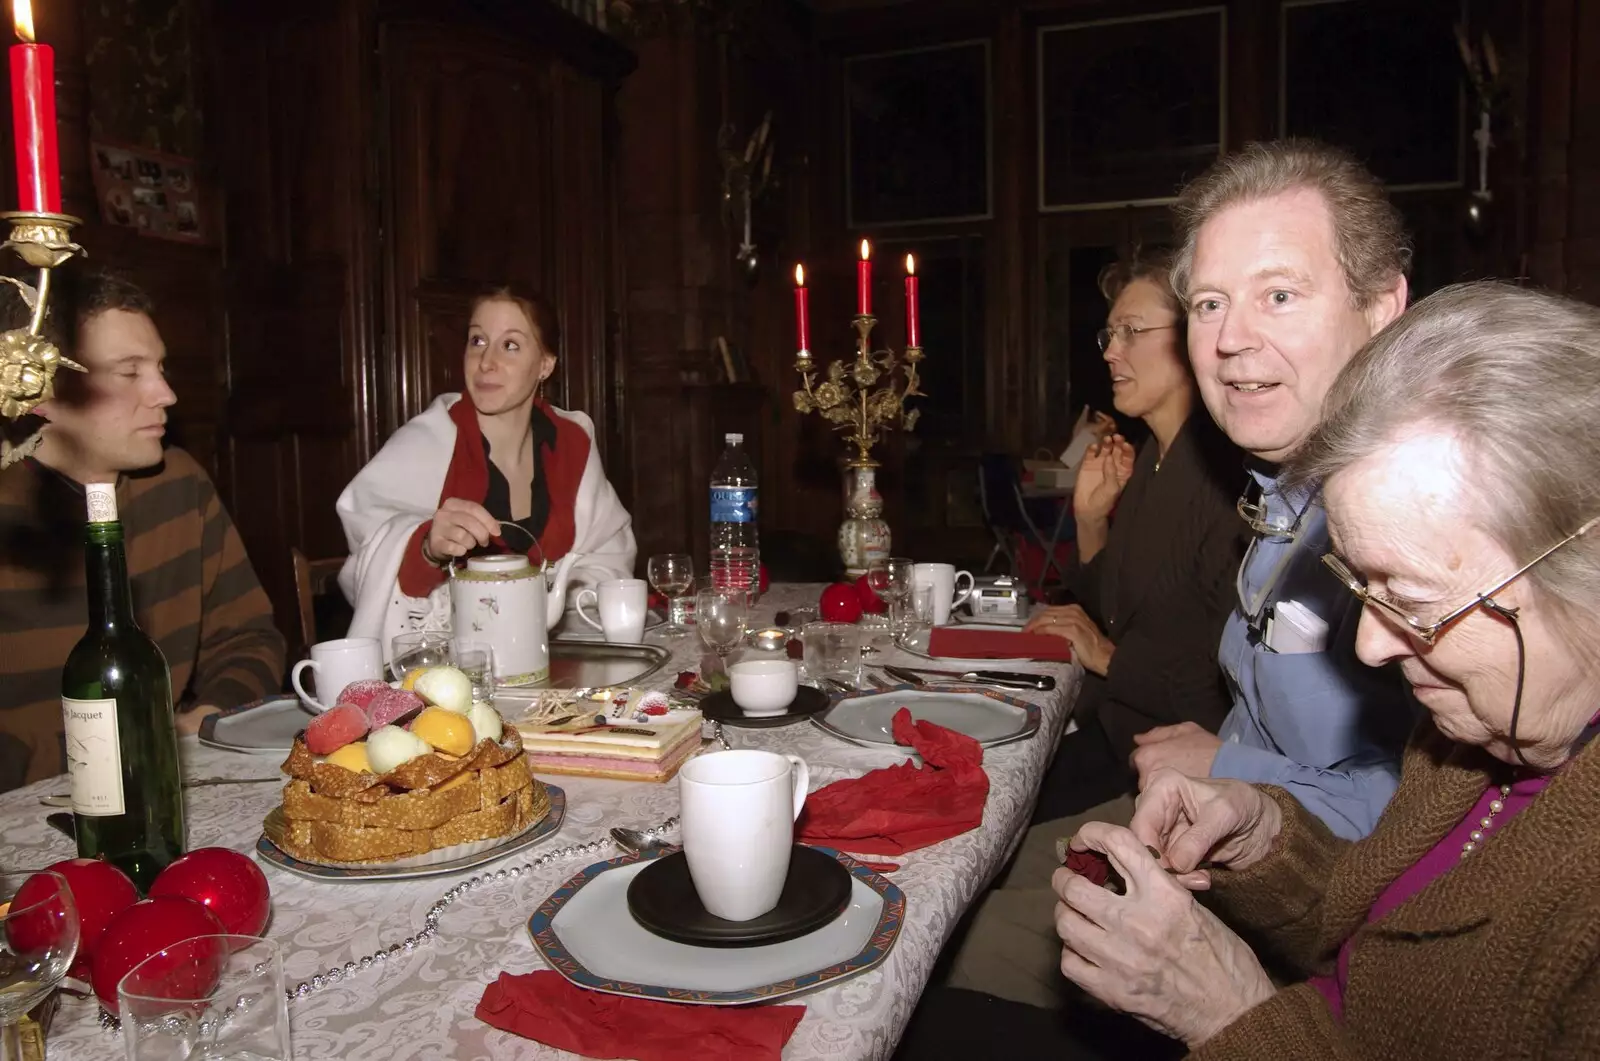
332	730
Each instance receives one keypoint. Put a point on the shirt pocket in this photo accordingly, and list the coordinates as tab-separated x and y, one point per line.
1310	707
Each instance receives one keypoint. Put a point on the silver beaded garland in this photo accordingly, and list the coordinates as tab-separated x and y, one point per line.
430	922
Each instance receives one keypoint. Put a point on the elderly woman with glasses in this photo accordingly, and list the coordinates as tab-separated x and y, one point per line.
1459	462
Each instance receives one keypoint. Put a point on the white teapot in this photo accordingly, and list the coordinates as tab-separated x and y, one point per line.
507	602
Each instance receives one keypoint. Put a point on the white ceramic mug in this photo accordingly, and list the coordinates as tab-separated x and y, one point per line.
623	605
764	686
939	581
738	810
337	664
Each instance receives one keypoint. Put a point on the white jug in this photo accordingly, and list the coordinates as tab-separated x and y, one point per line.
507	602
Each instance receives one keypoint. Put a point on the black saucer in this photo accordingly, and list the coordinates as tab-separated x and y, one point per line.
662	899
720	707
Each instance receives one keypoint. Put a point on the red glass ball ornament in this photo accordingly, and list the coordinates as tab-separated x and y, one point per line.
870	601
225	882
99	890
840	603
146	928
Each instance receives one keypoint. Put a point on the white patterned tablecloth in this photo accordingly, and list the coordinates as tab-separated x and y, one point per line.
419	1007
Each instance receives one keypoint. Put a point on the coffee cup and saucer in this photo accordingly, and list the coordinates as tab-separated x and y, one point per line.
740	880
764	693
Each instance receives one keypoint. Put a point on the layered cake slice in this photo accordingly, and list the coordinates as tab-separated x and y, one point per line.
629	751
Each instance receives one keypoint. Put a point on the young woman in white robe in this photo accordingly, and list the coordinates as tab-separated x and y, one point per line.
445	483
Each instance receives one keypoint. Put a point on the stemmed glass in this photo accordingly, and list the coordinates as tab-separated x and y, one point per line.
890	578
721	615
38	940
672	576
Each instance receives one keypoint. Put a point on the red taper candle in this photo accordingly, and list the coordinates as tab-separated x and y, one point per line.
864	282
33	117
913	315
802	310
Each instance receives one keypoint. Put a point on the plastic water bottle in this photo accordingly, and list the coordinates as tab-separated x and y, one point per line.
735	545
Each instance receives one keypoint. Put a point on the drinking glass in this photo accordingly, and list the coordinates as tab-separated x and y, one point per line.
475	659
918	626
38	940
672	576
210	998
721	617
419	648
832	650
890	578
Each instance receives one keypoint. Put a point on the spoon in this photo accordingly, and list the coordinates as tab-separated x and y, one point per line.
638	841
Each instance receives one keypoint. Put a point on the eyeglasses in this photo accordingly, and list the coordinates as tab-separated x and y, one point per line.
1125	333
1427	633
1252	507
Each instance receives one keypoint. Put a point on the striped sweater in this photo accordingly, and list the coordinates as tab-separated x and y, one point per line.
194	590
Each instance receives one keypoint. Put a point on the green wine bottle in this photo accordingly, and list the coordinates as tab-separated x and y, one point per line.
116	705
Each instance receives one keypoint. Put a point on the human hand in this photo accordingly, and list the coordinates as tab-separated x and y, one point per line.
1091	648
1185	747
1102	424
189	721
459	527
1152	952
1106	469
1200	820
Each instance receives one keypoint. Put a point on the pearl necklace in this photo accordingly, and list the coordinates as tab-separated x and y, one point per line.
1475	837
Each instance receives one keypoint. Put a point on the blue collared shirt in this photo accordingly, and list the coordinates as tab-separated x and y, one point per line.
1322	725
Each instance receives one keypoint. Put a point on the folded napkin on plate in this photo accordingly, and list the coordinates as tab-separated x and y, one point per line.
952	642
901	808
546	1008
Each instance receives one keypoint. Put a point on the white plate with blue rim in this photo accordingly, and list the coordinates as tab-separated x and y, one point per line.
265	727
987	716
580	934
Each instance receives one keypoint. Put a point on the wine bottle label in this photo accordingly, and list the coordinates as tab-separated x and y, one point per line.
94	756
102	499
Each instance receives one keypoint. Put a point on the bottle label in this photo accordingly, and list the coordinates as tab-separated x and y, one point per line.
733	504
94	756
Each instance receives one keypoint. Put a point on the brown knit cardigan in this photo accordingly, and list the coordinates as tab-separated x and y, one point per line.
1497	959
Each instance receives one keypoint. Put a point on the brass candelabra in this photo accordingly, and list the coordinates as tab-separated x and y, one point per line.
28	361
847	398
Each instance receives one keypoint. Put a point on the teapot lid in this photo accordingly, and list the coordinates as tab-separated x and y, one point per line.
500	563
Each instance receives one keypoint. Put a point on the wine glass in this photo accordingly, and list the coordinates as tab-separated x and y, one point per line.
672	576
38	940
890	578
721	616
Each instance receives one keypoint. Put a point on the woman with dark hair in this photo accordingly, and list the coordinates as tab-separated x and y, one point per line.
498	465
1153	590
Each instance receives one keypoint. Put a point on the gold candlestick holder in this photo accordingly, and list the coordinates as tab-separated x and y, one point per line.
28	361
863	399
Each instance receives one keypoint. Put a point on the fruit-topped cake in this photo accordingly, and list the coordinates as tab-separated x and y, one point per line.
392	773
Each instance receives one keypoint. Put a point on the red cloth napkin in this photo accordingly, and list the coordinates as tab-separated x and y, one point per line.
546	1008
952	642
903	807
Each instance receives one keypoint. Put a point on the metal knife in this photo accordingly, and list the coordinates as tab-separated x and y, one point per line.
1003	679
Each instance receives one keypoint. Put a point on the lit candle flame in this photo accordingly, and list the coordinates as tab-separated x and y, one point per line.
22	18
799	276
866	251
911	265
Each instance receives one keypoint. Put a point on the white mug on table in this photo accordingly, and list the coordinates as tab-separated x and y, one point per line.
738	810
940	581
623	604
337	664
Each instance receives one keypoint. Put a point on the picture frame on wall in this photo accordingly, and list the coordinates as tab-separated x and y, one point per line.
1343	61
1130	108
919	135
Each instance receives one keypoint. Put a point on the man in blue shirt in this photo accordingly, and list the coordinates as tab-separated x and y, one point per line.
1292	259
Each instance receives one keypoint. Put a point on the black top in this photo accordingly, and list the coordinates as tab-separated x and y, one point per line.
498	499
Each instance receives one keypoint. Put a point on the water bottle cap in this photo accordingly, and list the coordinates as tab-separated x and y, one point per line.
734	439
102	501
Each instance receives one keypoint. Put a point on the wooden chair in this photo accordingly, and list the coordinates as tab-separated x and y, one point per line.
311	579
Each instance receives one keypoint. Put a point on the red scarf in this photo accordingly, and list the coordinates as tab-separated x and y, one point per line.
467	478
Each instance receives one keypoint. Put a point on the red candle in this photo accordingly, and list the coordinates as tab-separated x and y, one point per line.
913	324
802	311
864	282
33	117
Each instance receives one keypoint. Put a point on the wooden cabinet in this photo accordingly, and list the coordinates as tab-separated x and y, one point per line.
386	160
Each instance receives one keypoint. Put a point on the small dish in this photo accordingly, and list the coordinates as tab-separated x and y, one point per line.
663	899
719	707
771	639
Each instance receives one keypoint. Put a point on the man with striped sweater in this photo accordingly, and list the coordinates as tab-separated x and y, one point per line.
194	590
